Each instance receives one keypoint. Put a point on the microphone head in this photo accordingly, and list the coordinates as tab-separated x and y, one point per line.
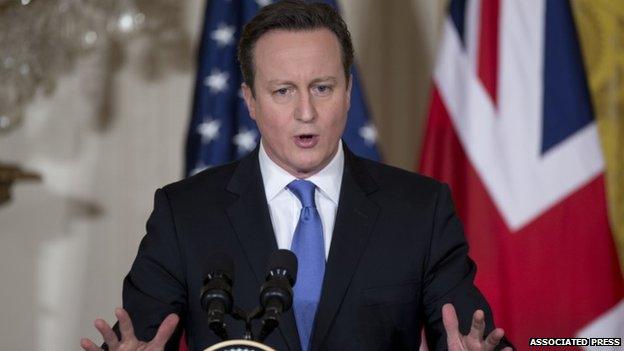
276	293
220	265
284	263
216	292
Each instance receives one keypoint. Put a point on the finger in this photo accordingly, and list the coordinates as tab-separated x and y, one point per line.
125	324
477	329
451	325
89	345
166	329
507	349
494	338
110	338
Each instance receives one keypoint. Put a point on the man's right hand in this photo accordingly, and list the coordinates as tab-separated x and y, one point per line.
128	341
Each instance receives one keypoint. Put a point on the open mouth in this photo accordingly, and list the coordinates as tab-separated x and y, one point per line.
306	140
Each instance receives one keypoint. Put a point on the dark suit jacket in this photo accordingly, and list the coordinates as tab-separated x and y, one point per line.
397	255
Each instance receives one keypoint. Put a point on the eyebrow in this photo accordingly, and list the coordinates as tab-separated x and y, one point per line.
316	80
323	79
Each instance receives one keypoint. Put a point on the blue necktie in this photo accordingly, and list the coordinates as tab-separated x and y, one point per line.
309	247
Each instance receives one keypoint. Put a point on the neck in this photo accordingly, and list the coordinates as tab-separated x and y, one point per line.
301	173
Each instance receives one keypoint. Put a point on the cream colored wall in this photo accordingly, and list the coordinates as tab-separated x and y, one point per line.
66	243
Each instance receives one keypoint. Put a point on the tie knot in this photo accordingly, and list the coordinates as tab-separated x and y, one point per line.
304	191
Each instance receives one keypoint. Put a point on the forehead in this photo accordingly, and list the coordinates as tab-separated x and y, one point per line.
282	53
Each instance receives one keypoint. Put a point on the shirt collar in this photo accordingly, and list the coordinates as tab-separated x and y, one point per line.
328	179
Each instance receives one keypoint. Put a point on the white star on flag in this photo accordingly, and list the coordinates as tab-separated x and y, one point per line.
368	132
209	130
223	35
263	3
217	81
245	140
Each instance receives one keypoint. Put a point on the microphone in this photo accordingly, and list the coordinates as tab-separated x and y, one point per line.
276	295
216	293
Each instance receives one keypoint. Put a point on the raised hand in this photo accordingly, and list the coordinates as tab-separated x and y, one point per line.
128	341
474	341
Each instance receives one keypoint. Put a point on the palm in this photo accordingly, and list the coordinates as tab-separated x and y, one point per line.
128	341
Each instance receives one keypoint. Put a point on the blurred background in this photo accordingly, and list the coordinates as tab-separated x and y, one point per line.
96	99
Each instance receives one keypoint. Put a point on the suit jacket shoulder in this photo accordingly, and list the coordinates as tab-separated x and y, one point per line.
209	185
406	184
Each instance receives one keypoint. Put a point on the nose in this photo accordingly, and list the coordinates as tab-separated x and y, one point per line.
305	110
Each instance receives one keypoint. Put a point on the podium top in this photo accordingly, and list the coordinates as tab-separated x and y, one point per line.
239	345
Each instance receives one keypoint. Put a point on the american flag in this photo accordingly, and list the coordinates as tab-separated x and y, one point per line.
511	129
221	129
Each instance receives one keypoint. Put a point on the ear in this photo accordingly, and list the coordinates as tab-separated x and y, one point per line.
250	100
349	86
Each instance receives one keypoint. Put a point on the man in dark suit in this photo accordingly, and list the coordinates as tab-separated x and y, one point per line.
381	252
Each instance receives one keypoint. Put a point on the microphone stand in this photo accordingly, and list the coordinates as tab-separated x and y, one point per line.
275	296
247	316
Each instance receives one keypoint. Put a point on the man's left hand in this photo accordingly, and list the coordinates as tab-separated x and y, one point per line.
474	341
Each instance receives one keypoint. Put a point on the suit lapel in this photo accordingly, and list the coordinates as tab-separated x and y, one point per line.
355	219
250	217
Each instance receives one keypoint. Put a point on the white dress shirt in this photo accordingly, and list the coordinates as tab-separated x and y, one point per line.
285	207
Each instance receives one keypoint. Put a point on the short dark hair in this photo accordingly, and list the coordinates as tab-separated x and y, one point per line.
292	15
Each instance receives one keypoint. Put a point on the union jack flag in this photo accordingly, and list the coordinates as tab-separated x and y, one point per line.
511	129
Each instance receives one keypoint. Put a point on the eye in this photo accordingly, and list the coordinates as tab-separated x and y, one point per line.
281	92
323	89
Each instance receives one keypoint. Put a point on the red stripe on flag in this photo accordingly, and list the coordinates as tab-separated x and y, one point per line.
548	279
488	46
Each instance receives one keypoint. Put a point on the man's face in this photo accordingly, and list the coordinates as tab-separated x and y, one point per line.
301	98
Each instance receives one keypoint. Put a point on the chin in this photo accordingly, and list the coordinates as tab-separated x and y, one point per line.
305	165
